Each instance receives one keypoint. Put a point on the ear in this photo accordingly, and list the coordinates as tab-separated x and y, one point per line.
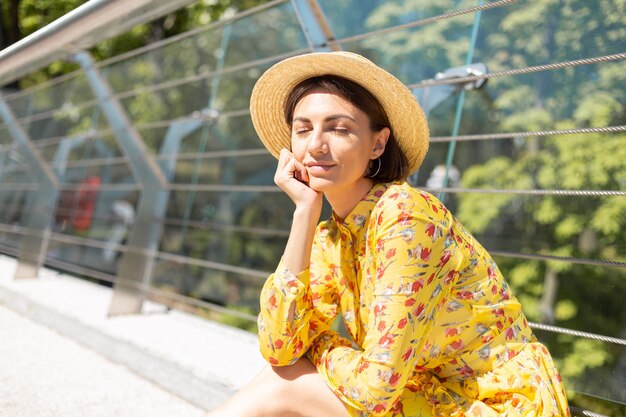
380	141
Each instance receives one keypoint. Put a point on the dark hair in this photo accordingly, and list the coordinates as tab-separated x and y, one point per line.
393	163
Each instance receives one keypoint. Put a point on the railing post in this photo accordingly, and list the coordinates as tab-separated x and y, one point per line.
135	268
315	26
42	203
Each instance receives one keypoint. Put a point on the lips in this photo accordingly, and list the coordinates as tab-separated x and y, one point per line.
319	167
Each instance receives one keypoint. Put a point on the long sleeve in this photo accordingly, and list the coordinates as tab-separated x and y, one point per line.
309	298
415	261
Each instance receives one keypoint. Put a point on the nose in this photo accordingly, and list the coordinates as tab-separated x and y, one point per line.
317	142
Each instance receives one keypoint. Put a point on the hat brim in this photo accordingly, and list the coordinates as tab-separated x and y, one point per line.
272	89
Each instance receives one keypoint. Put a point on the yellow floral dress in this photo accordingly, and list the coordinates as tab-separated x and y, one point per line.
435	329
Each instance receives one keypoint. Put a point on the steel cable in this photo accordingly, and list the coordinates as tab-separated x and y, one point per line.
189	301
578	193
519	71
583	412
580	261
421	22
577	333
512	135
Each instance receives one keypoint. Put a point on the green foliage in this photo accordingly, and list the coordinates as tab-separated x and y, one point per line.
35	14
523	35
565	310
589	354
240	322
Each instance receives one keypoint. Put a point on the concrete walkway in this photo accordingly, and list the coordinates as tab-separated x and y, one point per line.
60	355
43	374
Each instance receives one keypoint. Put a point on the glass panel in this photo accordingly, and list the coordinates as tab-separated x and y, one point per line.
12	205
185	58
534	33
541	162
5	136
66	121
10	240
419	53
254	209
592	371
581	227
13	158
78	149
12	167
97	214
20	103
81	255
229	246
564	98
65	95
201	53
236	87
354	17
280	31
153	137
19	176
98	174
237	170
226	133
167	104
218	287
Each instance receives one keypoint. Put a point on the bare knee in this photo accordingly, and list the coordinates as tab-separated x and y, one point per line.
283	387
289	391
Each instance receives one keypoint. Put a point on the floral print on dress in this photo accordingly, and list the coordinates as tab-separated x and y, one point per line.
435	329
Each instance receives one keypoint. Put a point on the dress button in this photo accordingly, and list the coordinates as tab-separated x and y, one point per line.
293	290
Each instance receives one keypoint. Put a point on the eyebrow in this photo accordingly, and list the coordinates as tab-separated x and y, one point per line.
327	119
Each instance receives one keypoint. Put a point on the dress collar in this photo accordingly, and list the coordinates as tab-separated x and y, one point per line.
360	213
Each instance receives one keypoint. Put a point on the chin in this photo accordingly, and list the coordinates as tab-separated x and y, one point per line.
321	185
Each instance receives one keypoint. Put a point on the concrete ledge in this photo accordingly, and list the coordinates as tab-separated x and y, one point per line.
199	361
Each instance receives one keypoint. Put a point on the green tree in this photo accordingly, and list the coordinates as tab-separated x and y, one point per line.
585	297
20	18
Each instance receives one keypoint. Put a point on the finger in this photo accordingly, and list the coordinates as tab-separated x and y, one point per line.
289	165
284	158
300	171
286	168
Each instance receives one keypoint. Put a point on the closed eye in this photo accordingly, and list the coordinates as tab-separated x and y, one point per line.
341	132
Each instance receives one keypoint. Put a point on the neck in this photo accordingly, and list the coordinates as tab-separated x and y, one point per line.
345	200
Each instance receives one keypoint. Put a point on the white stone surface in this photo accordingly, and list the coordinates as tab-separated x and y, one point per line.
200	361
43	374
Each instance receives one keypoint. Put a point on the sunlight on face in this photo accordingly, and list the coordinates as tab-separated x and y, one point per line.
333	139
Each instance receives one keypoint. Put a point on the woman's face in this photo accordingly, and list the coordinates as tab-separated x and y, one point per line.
333	139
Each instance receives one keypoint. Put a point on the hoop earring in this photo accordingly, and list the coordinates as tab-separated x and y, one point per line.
380	164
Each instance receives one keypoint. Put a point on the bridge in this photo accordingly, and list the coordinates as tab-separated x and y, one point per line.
139	219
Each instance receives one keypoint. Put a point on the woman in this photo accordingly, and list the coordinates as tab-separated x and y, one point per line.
435	330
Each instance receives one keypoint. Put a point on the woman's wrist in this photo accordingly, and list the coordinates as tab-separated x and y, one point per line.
307	213
298	250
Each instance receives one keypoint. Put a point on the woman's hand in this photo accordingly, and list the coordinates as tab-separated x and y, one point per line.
291	176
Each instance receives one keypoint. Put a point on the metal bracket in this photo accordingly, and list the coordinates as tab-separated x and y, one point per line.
431	96
465	71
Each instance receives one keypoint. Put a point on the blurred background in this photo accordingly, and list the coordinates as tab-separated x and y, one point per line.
128	158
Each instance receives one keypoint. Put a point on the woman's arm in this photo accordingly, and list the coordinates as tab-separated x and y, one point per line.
287	321
291	176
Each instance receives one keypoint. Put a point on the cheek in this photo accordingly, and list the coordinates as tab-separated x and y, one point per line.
298	149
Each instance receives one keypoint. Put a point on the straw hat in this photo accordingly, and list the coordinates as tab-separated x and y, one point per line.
270	93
